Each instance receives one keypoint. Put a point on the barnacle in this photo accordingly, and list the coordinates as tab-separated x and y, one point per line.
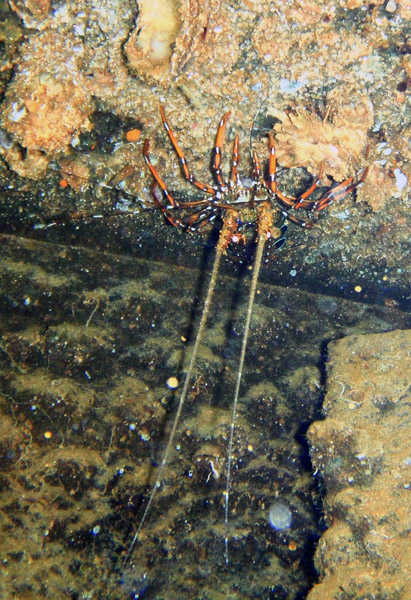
168	34
149	47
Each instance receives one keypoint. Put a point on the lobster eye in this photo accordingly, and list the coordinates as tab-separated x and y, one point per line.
279	243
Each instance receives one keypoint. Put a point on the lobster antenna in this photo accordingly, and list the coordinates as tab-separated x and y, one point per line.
204	316
257	265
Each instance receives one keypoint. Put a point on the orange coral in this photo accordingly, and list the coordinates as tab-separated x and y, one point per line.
339	139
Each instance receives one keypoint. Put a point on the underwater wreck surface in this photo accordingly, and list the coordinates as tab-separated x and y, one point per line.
93	312
362	450
89	340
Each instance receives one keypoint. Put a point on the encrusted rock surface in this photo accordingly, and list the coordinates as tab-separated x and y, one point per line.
330	79
362	450
88	341
126	57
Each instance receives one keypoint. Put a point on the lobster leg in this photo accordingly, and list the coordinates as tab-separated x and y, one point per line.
156	176
216	165
235	179
288	201
339	191
187	173
302	201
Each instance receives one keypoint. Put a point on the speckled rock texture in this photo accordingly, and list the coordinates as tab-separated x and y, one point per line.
362	451
331	80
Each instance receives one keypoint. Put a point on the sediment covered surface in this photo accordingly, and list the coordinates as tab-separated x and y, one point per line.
362	451
88	341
